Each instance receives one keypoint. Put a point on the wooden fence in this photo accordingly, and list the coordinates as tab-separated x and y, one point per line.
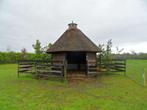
115	65
44	69
39	68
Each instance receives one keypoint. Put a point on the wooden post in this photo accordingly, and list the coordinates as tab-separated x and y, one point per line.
125	67
35	74
87	68
65	69
86	64
18	70
143	77
100	64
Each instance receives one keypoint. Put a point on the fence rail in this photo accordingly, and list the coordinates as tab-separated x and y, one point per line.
114	65
40	68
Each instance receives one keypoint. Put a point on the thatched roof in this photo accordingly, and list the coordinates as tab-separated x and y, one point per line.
73	40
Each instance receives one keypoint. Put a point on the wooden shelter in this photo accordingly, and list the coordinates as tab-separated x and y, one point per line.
74	50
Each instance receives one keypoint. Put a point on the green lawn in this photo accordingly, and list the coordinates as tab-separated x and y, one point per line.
108	92
135	69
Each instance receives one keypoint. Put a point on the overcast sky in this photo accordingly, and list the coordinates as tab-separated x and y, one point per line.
24	21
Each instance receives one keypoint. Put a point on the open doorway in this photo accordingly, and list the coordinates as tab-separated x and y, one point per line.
76	61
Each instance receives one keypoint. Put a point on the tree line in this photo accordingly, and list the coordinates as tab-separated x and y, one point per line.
131	56
40	53
108	55
13	57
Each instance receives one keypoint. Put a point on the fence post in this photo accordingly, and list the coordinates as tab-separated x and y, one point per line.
143	77
36	74
125	67
18	70
65	69
100	64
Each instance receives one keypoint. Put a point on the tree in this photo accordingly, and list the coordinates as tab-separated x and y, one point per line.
108	50
37	47
44	49
118	51
106	53
23	53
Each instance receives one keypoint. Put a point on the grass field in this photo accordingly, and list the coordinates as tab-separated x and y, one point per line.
108	92
135	69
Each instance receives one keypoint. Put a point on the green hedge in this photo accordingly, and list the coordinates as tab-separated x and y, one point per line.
13	57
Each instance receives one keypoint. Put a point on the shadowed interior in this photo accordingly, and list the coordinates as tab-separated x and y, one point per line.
76	61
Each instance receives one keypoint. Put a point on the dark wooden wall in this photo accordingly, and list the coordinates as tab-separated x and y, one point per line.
91	58
58	58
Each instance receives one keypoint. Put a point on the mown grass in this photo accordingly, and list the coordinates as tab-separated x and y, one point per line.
107	92
135	69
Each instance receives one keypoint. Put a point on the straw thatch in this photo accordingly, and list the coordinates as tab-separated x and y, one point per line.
73	39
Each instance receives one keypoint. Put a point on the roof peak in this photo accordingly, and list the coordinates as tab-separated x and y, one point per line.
73	40
72	25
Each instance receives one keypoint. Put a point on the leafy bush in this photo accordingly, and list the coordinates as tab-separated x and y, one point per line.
13	57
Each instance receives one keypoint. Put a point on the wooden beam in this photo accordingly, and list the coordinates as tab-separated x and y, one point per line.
65	69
